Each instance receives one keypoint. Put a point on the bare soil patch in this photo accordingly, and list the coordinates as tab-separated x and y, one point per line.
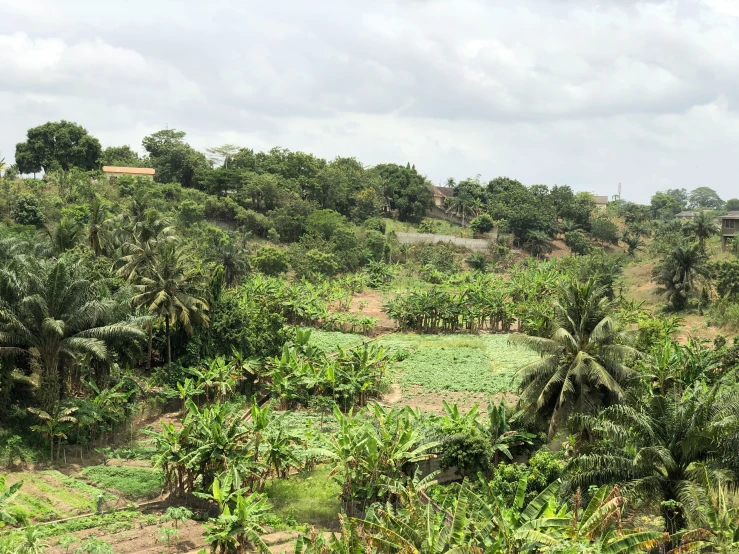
370	303
432	402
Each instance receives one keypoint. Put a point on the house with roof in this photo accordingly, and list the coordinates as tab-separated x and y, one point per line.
729	227
600	202
687	215
440	196
117	171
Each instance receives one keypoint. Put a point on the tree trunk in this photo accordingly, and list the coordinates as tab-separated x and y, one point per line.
6	382
148	356
169	345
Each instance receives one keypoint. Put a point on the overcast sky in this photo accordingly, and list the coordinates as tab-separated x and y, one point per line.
575	92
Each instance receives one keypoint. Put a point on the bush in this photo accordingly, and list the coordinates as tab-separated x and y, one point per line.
191	212
254	222
375	224
427	226
577	242
270	260
726	276
314	263
604	230
27	211
483	223
469	453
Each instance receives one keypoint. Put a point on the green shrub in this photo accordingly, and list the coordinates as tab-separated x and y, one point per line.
191	212
483	223
270	260
315	263
427	226
27	211
578	242
469	453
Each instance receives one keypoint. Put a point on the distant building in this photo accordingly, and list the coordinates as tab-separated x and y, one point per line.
600	202
686	215
440	196
116	171
729	227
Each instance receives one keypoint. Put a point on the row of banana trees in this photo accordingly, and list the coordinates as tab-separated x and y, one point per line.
486	303
349	377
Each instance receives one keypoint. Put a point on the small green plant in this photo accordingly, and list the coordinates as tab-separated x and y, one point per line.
167	534
65	541
94	546
177	515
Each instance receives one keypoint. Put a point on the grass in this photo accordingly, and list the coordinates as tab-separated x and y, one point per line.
132	482
310	499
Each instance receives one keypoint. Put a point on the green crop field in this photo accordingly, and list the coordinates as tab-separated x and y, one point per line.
132	482
461	363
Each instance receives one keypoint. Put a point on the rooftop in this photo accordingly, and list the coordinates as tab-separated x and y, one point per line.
600	199
687	213
443	191
731	215
114	169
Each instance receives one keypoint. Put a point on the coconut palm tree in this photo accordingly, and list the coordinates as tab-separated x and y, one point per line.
233	261
680	271
170	292
56	320
584	360
663	447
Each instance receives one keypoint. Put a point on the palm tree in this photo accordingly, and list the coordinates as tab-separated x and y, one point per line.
460	205
58	319
633	242
703	227
169	292
66	235
664	448
53	425
7	493
96	232
538	243
584	360
680	271
567	226
233	261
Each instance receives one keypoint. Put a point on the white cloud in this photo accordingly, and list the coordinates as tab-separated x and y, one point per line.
579	92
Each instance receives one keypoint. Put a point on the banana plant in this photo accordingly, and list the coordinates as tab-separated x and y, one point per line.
7	493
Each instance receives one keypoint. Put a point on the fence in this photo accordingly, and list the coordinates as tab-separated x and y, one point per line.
415	238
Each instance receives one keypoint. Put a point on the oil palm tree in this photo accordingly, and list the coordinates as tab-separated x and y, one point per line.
538	243
680	271
703	227
233	261
96	227
666	448
584	360
66	235
56	320
169	291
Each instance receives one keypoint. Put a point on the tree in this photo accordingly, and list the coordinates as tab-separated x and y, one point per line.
174	160
732	204
679	272
57	145
124	156
169	291
59	319
633	242
53	425
663	447
538	243
665	205
405	190
27	211
96	236
578	242
705	197
703	227
604	230
584	358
